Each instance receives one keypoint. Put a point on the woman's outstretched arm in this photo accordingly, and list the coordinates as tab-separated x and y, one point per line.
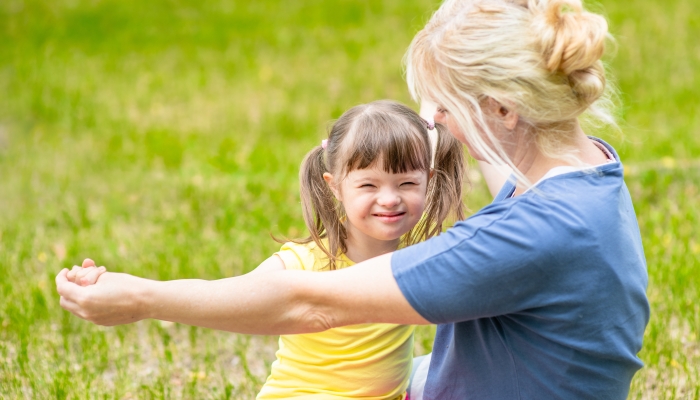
280	302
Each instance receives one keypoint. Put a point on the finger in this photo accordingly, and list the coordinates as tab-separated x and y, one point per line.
92	277
73	272
80	274
88	263
69	305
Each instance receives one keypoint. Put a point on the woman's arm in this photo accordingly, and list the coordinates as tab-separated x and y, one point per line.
88	274
280	302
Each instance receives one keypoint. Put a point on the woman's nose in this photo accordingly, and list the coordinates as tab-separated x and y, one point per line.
439	117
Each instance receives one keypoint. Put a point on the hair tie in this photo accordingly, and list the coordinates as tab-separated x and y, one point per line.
324	143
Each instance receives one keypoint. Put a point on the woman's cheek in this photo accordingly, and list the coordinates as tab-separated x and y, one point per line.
455	130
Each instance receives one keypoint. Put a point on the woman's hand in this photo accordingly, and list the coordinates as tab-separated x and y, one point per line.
86	275
113	299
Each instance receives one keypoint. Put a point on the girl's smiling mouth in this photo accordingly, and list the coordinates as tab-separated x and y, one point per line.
392	216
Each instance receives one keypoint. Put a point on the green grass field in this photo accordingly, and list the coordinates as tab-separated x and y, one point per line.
162	138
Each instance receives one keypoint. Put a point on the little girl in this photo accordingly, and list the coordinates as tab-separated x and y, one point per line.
365	191
372	186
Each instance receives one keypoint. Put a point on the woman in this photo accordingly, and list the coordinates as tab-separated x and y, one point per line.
540	294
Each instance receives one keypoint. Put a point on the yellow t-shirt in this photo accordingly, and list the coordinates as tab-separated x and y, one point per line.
368	361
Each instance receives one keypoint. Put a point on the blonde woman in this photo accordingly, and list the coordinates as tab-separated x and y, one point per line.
539	295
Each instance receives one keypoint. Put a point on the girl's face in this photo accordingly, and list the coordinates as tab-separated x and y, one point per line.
381	205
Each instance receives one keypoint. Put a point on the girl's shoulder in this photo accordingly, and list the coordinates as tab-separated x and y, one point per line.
308	257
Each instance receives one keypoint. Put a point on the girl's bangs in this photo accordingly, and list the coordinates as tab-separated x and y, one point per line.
395	144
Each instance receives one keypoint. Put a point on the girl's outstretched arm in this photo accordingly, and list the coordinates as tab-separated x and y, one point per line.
279	302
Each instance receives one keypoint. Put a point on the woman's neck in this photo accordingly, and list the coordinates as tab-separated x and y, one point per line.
361	247
534	164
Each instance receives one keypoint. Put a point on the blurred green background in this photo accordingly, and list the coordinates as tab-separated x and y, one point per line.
162	138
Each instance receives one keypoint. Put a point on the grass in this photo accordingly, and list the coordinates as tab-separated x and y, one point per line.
163	139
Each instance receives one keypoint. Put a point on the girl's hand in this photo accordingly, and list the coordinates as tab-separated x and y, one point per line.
86	275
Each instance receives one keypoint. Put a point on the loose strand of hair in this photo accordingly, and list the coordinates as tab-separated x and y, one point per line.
447	182
319	207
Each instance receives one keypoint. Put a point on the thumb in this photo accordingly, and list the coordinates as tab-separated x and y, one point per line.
62	277
63	285
88	263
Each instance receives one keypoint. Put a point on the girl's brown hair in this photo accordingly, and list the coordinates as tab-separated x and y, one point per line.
396	137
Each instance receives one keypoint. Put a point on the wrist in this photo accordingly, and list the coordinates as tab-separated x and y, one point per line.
144	291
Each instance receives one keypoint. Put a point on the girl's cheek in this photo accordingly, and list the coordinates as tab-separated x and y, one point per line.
419	200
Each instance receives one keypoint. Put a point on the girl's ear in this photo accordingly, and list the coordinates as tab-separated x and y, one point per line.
332	185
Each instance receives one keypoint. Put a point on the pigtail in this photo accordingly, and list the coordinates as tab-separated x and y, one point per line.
319	207
444	197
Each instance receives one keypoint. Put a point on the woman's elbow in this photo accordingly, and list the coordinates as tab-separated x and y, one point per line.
308	314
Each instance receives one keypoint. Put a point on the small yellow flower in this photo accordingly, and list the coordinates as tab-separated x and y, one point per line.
668	162
695	248
199	375
666	239
265	74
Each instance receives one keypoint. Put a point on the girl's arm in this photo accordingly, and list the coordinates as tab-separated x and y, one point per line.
283	302
493	177
272	264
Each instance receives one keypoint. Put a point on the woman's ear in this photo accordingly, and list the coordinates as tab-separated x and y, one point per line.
332	185
505	113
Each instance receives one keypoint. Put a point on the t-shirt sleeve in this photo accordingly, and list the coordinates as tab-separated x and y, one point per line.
491	264
296	256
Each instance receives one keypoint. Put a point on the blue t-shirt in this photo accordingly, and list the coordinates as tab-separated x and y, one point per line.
539	296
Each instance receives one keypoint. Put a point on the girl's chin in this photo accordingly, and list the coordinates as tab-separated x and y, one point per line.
389	236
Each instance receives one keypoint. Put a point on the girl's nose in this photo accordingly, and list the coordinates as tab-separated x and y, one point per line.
388	199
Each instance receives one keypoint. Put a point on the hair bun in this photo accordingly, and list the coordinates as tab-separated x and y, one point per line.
572	41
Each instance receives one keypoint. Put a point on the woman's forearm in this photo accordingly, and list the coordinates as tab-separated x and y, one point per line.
256	304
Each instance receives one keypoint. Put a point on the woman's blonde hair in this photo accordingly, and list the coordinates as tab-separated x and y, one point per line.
540	58
391	136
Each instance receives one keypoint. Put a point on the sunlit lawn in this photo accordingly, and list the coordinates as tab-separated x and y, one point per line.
162	138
